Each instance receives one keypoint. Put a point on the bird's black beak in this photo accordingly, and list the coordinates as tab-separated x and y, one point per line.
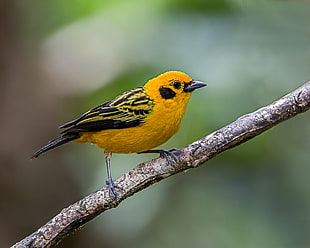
189	87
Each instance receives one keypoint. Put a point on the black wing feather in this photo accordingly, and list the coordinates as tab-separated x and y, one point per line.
97	126
127	110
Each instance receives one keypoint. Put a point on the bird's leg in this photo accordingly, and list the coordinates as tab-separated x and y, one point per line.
110	181
167	154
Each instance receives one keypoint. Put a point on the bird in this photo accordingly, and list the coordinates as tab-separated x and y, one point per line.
134	122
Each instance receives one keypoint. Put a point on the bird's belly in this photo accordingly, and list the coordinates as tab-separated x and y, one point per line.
132	140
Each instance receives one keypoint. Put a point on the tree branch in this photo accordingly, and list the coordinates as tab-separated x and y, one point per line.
147	173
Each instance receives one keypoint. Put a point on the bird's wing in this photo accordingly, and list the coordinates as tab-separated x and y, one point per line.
127	110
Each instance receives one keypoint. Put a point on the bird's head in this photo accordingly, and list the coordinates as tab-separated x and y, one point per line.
172	86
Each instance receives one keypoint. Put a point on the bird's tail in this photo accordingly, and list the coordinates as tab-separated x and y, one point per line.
54	143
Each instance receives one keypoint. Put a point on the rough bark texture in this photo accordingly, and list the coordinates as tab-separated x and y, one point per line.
145	174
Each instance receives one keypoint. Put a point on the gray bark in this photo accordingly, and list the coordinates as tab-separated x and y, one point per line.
148	173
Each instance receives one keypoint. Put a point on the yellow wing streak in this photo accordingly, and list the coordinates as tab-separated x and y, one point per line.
133	106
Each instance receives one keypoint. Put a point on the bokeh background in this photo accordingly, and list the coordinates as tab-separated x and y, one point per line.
60	57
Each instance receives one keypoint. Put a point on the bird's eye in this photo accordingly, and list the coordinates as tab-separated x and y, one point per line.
177	85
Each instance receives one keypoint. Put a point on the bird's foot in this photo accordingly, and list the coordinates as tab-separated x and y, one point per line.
167	154
112	186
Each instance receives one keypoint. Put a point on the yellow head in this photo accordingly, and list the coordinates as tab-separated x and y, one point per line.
172	88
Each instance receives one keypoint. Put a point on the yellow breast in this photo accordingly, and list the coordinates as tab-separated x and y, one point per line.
163	122
169	100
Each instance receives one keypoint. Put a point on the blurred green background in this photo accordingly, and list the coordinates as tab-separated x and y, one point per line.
59	58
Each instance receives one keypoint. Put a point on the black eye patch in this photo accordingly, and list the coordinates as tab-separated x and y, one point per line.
166	93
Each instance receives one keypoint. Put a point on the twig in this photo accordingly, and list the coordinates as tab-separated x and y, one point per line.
147	173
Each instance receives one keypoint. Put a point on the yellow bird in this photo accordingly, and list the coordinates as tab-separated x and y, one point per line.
134	122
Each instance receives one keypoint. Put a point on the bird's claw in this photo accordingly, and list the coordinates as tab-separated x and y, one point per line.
169	155
112	186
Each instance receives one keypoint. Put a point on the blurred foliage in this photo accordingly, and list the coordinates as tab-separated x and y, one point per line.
74	55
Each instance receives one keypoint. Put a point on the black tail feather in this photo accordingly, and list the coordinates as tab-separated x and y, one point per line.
54	143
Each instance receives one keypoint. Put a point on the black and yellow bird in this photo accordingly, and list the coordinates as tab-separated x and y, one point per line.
134	122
